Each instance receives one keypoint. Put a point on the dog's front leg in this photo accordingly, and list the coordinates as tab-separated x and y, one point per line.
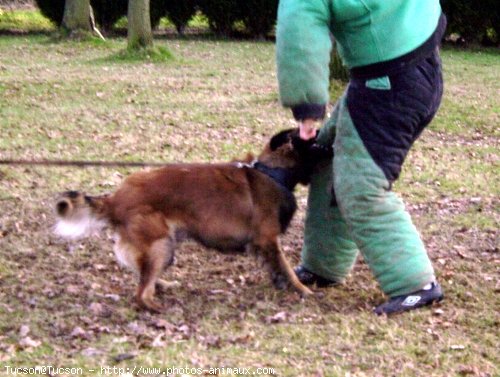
279	268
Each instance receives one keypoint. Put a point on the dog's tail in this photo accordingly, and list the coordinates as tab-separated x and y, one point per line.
80	215
292	277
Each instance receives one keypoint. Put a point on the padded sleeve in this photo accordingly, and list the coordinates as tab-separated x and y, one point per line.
303	46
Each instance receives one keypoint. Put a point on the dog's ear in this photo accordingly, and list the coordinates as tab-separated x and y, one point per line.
280	138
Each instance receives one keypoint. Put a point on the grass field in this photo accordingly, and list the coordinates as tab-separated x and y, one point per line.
70	305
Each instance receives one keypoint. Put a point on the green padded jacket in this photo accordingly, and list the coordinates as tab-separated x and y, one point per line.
367	32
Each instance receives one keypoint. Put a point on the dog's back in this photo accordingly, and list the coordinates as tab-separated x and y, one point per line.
220	205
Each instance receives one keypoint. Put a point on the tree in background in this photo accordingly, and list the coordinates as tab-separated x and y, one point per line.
140	35
78	19
474	22
77	15
107	12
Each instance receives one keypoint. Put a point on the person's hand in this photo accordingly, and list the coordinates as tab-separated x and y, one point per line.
307	129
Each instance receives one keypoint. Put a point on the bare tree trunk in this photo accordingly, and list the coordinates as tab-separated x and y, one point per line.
78	18
77	15
140	34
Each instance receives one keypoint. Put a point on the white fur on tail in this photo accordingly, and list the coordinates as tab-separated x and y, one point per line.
125	254
84	225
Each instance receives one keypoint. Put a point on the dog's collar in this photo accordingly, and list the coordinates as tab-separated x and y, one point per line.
282	176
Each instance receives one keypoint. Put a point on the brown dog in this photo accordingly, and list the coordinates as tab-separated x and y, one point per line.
223	206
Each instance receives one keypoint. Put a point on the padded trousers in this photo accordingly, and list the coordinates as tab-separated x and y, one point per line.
351	206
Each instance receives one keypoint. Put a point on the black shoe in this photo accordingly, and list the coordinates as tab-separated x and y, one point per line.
426	296
307	277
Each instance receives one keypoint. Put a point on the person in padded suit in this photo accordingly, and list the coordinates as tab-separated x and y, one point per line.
395	88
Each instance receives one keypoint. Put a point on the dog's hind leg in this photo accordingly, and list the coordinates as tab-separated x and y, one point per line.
279	266
151	265
169	260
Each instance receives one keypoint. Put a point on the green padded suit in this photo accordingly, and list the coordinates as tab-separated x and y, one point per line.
390	47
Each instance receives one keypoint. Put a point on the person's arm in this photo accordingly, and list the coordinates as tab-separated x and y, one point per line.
303	47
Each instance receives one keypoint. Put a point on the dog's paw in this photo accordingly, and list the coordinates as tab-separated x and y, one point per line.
155	307
280	281
167	285
151	305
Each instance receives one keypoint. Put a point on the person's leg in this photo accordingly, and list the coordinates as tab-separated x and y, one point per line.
328	253
328	249
378	122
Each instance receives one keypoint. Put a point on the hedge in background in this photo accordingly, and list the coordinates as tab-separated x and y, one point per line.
221	14
338	71
106	12
52	9
259	16
180	12
475	21
158	9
